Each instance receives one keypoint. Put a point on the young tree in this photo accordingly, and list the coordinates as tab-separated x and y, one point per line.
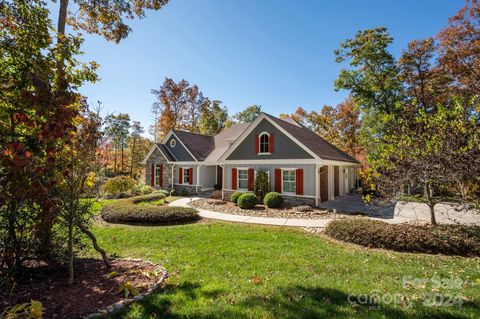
135	136
248	115
117	129
212	117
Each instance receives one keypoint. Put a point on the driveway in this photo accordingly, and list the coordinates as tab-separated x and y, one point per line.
403	211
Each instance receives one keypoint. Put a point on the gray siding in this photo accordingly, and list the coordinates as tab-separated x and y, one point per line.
207	176
179	152
308	174
176	173
284	147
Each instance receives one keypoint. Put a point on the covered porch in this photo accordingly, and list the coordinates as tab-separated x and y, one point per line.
334	179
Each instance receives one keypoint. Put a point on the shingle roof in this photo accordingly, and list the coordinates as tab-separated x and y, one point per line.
166	152
198	144
313	141
224	139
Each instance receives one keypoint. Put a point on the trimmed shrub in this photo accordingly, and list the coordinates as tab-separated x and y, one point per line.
262	185
184	192
247	200
118	185
234	197
441	239
142	190
273	200
147	198
162	191
126	211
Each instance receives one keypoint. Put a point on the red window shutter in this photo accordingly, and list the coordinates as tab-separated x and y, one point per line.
161	175
180	175
278	180
152	174
234	178
299	182
251	178
272	143
190	176
257	144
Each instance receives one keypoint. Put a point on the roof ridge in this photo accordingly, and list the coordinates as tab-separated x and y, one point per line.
188	132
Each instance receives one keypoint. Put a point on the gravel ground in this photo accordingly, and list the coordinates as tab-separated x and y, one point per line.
262	211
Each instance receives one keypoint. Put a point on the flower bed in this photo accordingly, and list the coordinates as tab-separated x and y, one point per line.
262	211
98	288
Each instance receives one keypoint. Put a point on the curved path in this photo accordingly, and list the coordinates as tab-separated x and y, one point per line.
183	202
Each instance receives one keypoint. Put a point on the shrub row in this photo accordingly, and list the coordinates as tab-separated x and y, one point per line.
127	211
441	239
249	200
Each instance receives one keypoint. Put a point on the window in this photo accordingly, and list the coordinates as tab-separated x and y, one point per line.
186	175
264	143
157	174
288	181
242	178
173	142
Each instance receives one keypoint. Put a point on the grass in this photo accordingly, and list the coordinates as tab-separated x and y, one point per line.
223	270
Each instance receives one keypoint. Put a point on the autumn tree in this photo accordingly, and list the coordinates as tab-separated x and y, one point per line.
177	106
212	117
135	136
117	129
248	115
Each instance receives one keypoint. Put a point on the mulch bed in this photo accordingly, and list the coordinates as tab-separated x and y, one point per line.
92	291
261	210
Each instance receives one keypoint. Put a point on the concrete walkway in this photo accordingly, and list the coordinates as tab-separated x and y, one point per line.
183	202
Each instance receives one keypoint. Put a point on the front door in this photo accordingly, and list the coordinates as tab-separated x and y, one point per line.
219	176
323	184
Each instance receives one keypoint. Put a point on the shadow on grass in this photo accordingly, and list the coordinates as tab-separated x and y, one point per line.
290	302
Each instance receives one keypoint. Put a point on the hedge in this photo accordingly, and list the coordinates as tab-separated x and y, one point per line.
247	200
273	200
126	211
441	239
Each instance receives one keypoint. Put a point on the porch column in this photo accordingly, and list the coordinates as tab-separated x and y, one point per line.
331	177
317	183
173	175
223	180
198	179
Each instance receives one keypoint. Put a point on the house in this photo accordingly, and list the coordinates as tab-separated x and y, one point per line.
301	165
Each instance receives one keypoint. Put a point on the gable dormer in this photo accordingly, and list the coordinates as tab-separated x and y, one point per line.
177	149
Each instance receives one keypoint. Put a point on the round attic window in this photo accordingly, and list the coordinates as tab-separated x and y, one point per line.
173	142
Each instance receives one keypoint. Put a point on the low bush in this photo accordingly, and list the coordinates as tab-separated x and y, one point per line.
234	197
127	211
247	200
118	185
147	198
261	185
173	193
441	239
273	200
162	191
184	192
142	190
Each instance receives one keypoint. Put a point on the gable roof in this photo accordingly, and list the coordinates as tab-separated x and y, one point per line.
198	144
314	141
166	153
224	140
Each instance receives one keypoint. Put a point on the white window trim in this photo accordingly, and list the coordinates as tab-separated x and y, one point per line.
295	174
173	143
260	144
156	180
183	175
238	178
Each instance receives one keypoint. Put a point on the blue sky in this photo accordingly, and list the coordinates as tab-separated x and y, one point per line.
278	54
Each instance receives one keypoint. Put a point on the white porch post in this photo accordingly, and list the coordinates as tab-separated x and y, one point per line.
198	179
223	180
331	177
173	175
317	183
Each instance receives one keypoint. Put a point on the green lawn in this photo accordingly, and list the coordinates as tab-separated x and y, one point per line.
222	270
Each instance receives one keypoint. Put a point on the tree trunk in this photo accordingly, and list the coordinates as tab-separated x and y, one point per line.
431	203
132	153
122	150
70	251
106	261
62	18
433	219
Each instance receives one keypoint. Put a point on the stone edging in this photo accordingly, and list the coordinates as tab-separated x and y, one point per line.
122	304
